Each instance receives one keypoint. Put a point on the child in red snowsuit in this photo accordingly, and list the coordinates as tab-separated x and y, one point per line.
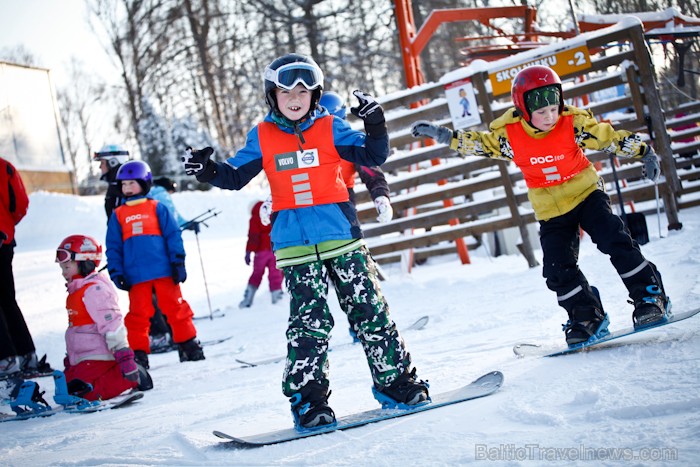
259	243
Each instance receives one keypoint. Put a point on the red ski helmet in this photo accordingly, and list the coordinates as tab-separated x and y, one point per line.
79	248
533	77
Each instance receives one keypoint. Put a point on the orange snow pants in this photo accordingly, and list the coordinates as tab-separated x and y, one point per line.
171	303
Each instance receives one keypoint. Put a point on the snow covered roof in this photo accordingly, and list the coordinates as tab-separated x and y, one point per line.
656	23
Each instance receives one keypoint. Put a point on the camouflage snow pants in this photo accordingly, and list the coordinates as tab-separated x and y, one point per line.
355	280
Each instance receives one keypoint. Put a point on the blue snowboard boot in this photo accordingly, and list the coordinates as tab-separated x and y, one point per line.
403	393
651	306
310	407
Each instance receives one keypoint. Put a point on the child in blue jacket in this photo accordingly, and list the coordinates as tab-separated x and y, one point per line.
316	235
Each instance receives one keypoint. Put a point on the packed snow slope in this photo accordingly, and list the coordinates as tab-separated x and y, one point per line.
637	400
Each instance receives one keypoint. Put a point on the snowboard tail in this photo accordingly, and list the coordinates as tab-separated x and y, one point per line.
481	387
528	349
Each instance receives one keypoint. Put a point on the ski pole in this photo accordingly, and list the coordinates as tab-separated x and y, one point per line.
658	209
206	287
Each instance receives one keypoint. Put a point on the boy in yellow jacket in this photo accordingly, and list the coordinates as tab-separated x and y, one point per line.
546	139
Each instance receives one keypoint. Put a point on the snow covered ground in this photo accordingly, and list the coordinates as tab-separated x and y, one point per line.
635	402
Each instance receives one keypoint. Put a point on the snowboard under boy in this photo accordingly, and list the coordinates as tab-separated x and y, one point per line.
316	234
545	139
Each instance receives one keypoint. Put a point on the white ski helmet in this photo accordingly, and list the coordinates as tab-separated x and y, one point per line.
114	154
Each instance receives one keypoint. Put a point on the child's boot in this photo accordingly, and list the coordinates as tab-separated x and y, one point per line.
141	358
248	297
651	306
190	351
276	295
310	407
585	321
403	392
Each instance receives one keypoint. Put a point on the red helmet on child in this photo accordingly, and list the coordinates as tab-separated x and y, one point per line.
79	248
530	78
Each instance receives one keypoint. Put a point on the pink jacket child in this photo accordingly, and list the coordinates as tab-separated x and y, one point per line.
97	349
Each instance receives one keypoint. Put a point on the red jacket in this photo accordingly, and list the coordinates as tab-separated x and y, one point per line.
258	234
13	200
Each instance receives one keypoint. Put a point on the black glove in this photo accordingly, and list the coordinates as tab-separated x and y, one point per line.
193	226
368	109
651	169
196	162
438	133
3	236
179	272
121	282
247	258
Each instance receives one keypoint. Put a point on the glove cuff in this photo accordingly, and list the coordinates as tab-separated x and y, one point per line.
209	173
376	130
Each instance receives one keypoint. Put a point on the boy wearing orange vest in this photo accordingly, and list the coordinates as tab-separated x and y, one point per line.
97	350
316	235
545	139
145	255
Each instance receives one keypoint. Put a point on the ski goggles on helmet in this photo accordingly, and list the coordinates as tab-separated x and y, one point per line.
289	75
63	255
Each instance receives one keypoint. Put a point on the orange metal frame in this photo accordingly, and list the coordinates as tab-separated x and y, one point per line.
412	44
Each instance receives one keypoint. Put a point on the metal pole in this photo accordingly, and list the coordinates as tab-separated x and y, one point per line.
206	288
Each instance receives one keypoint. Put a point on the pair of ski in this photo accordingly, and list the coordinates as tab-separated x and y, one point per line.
419	324
29	402
172	347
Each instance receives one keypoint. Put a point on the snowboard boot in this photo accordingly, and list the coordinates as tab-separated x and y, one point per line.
248	297
145	380
33	367
190	351
160	343
277	295
78	387
310	407
585	322
406	391
141	358
651	306
10	366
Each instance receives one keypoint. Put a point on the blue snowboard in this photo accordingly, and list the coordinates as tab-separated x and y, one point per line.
483	386
536	350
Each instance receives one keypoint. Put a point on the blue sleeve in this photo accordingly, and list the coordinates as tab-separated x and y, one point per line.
240	169
358	147
171	233
115	247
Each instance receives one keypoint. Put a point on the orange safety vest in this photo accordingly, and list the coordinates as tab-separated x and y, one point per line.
138	219
77	311
548	161
348	170
302	177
